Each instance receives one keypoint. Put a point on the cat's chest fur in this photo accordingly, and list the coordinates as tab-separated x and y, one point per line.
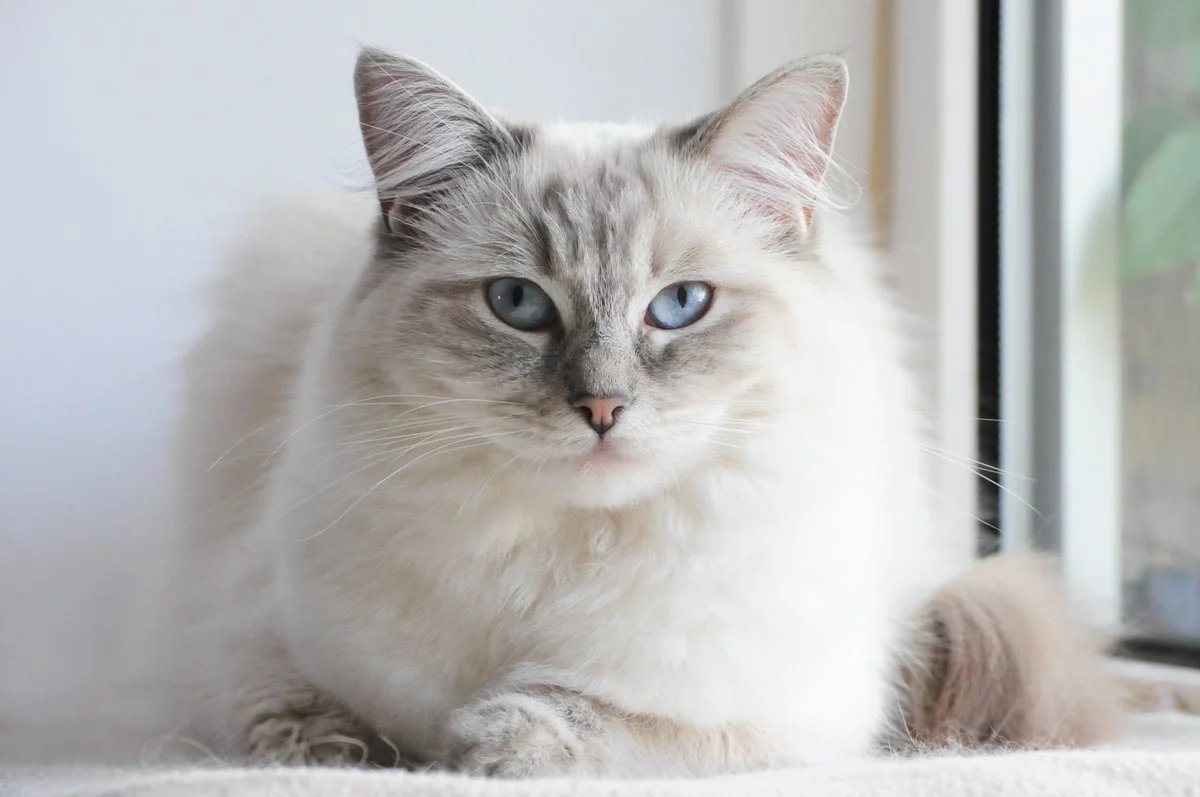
726	586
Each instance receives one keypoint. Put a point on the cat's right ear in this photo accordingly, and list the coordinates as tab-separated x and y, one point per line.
421	133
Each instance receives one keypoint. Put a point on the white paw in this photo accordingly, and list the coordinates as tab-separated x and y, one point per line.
312	732
514	735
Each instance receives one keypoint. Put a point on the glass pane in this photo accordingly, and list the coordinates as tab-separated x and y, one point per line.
1160	316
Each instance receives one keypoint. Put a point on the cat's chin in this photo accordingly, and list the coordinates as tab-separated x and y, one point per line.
602	479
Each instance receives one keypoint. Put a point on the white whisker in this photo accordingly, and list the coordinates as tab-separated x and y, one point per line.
449	448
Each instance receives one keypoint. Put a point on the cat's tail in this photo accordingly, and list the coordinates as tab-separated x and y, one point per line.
999	658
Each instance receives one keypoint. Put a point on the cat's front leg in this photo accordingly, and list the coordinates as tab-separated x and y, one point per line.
542	732
555	732
296	725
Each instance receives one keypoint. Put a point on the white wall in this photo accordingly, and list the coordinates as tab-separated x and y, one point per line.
132	132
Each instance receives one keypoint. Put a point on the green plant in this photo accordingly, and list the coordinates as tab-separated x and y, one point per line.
1162	148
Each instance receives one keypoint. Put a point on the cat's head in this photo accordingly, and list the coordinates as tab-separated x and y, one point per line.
605	307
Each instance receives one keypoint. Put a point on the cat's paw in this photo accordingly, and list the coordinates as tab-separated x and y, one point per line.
516	735
311	731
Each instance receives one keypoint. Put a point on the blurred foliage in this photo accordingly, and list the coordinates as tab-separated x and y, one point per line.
1163	23
1162	145
1162	208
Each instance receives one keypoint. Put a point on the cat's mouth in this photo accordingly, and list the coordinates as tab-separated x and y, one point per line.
602	454
601	474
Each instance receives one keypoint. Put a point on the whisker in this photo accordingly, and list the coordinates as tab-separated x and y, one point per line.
374	402
995	482
398	432
449	448
483	487
332	408
243	439
379	458
730	445
958	508
974	463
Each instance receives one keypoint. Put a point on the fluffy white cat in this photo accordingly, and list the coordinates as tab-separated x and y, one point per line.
583	450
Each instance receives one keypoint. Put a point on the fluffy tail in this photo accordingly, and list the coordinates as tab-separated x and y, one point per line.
1000	660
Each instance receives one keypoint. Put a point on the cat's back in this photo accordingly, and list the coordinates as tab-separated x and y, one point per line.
289	263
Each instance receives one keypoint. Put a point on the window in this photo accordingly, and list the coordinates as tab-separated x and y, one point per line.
1060	158
1099	318
1160	326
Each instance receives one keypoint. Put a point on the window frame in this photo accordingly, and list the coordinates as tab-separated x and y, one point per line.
934	236
1060	328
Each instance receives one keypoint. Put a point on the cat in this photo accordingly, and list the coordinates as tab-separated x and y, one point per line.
587	450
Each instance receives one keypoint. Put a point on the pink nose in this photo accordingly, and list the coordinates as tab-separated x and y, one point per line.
601	411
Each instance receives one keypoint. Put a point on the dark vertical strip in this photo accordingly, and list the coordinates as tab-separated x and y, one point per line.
988	295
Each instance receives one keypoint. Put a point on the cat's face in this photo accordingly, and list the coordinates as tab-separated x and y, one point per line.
603	308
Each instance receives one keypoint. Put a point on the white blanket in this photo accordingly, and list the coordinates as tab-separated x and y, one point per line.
1160	757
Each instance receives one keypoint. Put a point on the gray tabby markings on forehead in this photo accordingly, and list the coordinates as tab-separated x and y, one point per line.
544	254
589	218
557	216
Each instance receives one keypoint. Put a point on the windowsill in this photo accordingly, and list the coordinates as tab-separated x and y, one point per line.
1160	687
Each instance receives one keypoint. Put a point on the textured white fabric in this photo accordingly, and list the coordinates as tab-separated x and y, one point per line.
1159	758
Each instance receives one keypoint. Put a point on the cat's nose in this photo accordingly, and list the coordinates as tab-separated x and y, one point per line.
601	411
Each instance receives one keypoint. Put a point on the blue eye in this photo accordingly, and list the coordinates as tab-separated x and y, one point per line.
520	304
679	305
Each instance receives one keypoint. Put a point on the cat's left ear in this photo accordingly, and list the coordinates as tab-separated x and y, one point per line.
776	140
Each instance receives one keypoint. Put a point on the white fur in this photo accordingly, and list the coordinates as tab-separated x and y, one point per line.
747	593
767	592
